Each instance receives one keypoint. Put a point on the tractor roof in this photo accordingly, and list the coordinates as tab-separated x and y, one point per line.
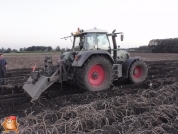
95	30
81	31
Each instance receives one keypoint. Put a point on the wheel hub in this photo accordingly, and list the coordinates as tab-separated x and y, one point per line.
95	75
135	71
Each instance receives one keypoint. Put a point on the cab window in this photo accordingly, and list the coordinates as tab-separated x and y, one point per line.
78	44
103	42
89	42
77	41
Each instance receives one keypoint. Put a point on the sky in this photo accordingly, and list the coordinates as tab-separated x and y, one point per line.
25	23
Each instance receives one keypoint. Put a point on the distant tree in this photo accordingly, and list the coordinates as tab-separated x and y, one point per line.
39	48
62	50
3	50
46	49
14	50
21	49
8	50
50	48
58	48
68	49
164	45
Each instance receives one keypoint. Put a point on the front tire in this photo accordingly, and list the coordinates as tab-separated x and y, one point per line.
138	72
95	75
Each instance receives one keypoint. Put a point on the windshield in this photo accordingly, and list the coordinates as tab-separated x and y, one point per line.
91	41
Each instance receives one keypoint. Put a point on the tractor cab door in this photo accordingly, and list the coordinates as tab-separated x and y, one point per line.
78	43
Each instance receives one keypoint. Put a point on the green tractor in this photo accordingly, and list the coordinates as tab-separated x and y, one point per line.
92	64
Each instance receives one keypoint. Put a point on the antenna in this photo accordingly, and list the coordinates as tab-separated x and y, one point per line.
94	26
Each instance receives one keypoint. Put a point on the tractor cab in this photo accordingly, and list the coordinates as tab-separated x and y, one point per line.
94	39
97	39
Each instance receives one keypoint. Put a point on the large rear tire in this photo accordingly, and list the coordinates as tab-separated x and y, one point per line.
138	72
95	75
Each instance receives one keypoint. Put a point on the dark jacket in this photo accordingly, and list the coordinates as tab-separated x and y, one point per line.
3	64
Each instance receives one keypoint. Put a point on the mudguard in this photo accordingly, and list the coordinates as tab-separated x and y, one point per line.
126	65
84	55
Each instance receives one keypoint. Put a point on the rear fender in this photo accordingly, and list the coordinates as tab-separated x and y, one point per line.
126	65
82	56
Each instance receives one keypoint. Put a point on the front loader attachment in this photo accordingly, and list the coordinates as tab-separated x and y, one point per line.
37	83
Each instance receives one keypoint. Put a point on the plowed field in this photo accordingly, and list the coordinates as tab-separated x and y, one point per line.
150	107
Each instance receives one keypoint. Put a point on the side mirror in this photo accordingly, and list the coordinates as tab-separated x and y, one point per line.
114	31
122	37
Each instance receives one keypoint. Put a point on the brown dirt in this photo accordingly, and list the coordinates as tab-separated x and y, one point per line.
156	56
19	61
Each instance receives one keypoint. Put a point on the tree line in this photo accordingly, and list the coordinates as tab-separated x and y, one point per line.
34	48
8	50
155	46
169	45
164	45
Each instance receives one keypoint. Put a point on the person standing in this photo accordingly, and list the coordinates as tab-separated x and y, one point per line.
3	67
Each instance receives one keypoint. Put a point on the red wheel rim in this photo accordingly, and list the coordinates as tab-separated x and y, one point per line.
137	72
96	75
